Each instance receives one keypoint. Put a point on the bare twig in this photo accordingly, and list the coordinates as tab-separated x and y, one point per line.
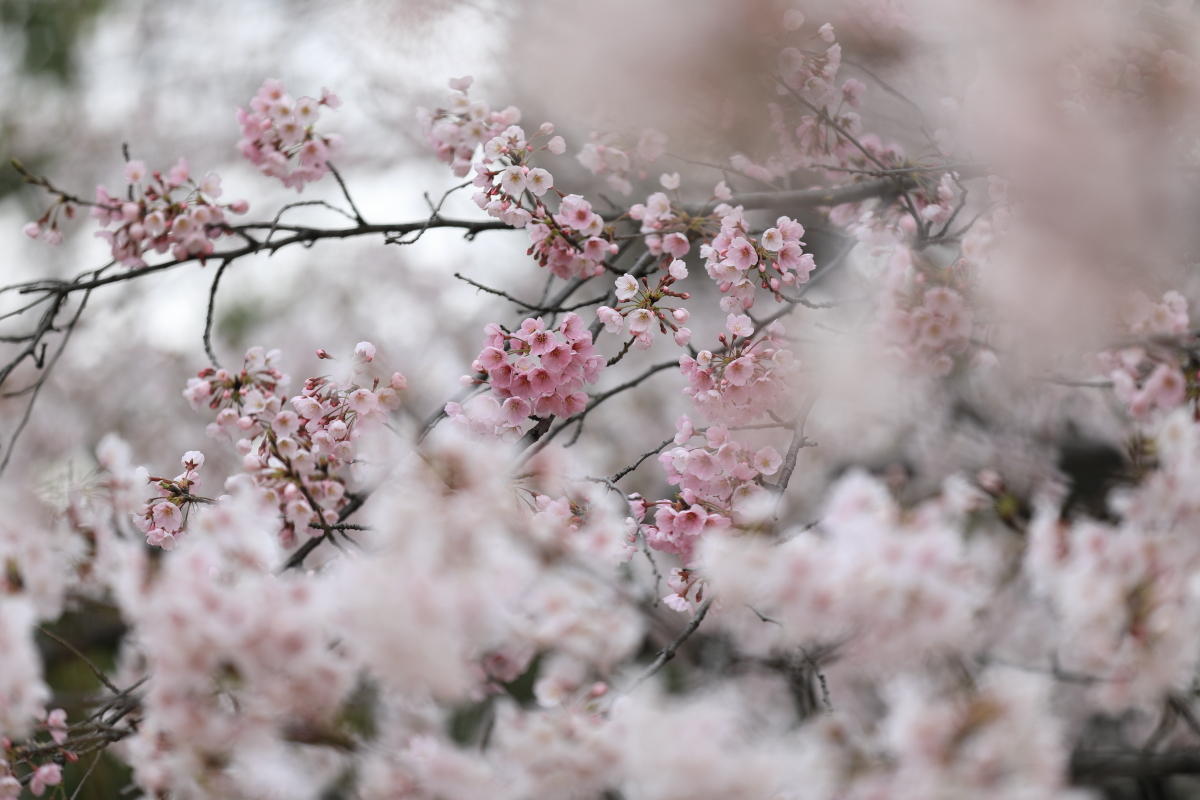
545	309
1093	765
208	317
668	652
99	673
641	459
346	193
47	367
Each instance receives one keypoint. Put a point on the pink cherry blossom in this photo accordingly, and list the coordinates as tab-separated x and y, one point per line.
44	776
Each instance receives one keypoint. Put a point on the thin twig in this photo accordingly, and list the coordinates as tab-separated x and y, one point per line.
112	687
641	459
88	774
545	309
208	317
668	652
346	193
49	366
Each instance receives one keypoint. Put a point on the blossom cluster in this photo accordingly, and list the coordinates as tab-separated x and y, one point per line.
931	207
278	134
811	72
749	375
241	663
892	587
534	371
162	212
990	740
456	131
43	777
924	316
606	154
640	310
665	226
245	391
299	455
1129	633
162	518
571	241
828	130
1150	375
720	483
46	227
581	523
739	262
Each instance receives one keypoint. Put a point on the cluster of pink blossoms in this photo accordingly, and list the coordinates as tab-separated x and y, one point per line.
1124	604
568	242
924	316
663	224
604	154
505	177
300	455
250	388
456	131
892	585
829	133
886	225
534	371
639	308
278	135
583	523
810	144
46	227
719	484
1150	377
810	72
163	212
43	777
738	262
745	378
162	518
238	655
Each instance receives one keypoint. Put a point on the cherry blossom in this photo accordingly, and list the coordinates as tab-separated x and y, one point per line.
278	135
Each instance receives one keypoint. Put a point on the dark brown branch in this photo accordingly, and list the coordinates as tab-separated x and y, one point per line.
297	558
46	367
99	673
668	652
358	217
301	235
641	459
545	309
818	197
1092	765
208	317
